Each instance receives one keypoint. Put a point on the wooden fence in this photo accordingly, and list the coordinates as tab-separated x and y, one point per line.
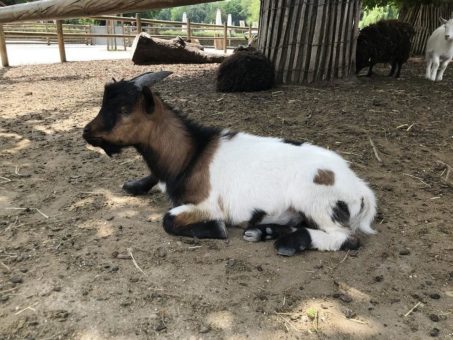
221	36
425	19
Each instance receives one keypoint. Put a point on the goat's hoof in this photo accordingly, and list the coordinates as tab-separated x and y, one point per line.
285	251
352	243
252	235
138	187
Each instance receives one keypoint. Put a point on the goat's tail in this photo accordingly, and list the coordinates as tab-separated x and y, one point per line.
362	221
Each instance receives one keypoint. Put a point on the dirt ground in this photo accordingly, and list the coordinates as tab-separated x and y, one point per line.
67	228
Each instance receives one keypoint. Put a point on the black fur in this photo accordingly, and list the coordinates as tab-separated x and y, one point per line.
140	186
340	213
245	72
229	134
387	41
293	142
307	222
294	242
206	229
257	217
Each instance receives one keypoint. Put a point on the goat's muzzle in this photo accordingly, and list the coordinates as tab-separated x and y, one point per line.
110	149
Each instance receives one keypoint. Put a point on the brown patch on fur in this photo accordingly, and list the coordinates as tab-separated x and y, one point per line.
186	218
324	177
168	136
198	184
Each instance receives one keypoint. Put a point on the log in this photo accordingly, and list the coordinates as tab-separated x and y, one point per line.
150	50
64	9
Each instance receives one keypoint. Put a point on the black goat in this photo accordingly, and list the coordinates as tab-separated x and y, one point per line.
245	71
387	41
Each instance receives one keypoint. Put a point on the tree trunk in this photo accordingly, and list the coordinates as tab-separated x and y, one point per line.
309	41
160	51
62	9
425	19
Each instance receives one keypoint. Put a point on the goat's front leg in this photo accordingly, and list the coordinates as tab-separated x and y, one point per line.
443	66
189	220
306	238
264	232
140	186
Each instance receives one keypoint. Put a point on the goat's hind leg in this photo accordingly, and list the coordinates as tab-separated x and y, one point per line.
188	220
264	232
140	186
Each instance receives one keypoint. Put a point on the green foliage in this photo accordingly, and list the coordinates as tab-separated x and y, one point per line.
370	16
370	4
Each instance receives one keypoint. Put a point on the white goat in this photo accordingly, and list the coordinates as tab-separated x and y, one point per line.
439	50
303	195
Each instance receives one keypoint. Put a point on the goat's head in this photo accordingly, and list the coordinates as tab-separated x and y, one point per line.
448	25
251	40
127	107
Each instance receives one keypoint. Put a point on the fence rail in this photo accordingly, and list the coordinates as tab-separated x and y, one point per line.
221	36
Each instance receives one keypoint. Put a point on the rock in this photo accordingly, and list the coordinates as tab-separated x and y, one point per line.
4	298
434	296
434	317
16	279
434	332
349	314
405	252
379	278
57	289
343	297
259	268
160	326
134	279
205	329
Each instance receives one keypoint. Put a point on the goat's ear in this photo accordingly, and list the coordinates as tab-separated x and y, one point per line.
442	20
149	79
149	101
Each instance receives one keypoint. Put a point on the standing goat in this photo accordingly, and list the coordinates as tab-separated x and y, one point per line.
304	196
387	41
439	50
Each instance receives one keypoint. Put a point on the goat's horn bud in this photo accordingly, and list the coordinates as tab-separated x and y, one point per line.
150	78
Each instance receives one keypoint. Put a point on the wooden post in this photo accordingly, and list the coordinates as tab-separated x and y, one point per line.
3	51
139	23
61	41
250	32
123	32
189	34
225	35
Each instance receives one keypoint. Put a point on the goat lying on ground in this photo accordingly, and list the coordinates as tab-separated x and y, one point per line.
439	50
387	41
247	70
304	196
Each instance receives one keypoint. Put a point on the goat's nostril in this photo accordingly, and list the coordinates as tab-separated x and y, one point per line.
86	130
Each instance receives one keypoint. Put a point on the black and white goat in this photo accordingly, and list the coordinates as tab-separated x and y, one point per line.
304	196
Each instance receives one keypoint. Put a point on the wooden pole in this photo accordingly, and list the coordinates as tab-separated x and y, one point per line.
61	41
189	34
225	35
139	23
3	51
250	32
62	9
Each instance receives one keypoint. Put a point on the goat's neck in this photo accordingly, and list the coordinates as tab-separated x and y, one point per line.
168	147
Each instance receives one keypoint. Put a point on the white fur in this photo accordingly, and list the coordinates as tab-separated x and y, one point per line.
250	172
439	50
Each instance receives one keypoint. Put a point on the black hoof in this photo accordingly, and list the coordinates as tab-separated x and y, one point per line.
294	242
207	229
352	243
140	186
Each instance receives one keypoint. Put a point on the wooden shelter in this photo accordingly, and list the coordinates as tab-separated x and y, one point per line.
425	19
309	41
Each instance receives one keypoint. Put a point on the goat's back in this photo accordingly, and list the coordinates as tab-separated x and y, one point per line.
245	71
